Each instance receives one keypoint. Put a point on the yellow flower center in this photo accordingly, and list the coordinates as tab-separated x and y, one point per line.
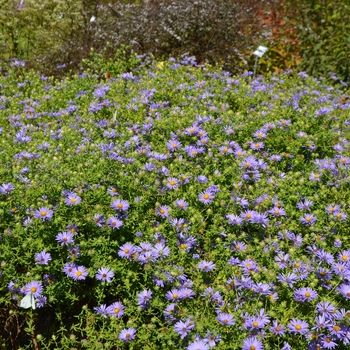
206	196
79	273
298	327
120	205
33	289
126	251
43	213
116	310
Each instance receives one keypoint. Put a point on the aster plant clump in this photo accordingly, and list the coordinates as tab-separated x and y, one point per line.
174	206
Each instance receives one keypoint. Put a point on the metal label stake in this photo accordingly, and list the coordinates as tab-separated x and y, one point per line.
259	52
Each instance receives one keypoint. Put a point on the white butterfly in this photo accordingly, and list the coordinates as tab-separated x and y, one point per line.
27	302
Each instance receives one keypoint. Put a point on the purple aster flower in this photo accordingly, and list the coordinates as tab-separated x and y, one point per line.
41	301
72	199
34	287
74	251
305	294
173	145
344	256
286	346
315	177
68	269
202	179
127	334
206	197
305	205
48	279
174	295
161	250
276	211
120	204
308	219
257	145
260	134
183	327
113	191
225	150
327	342
73	228
185	178
252	343
206	266
6	188
187	293
43	213
234	219
276	328
104	274
42	258
144	297
101	310
275	158
181	204
163	211
126	251
326	308
290	278
340	215
116	309
198	345
321	322
249	163
211	339
99	219
79	273
298	326
344	290
114	222
238	246
226	319
65	238
248	215
173	183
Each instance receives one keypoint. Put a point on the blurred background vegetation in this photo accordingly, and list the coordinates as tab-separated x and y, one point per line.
310	35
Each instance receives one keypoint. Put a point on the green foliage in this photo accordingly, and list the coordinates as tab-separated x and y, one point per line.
33	28
124	60
262	144
323	32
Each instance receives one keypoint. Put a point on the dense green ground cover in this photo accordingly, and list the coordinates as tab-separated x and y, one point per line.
174	207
